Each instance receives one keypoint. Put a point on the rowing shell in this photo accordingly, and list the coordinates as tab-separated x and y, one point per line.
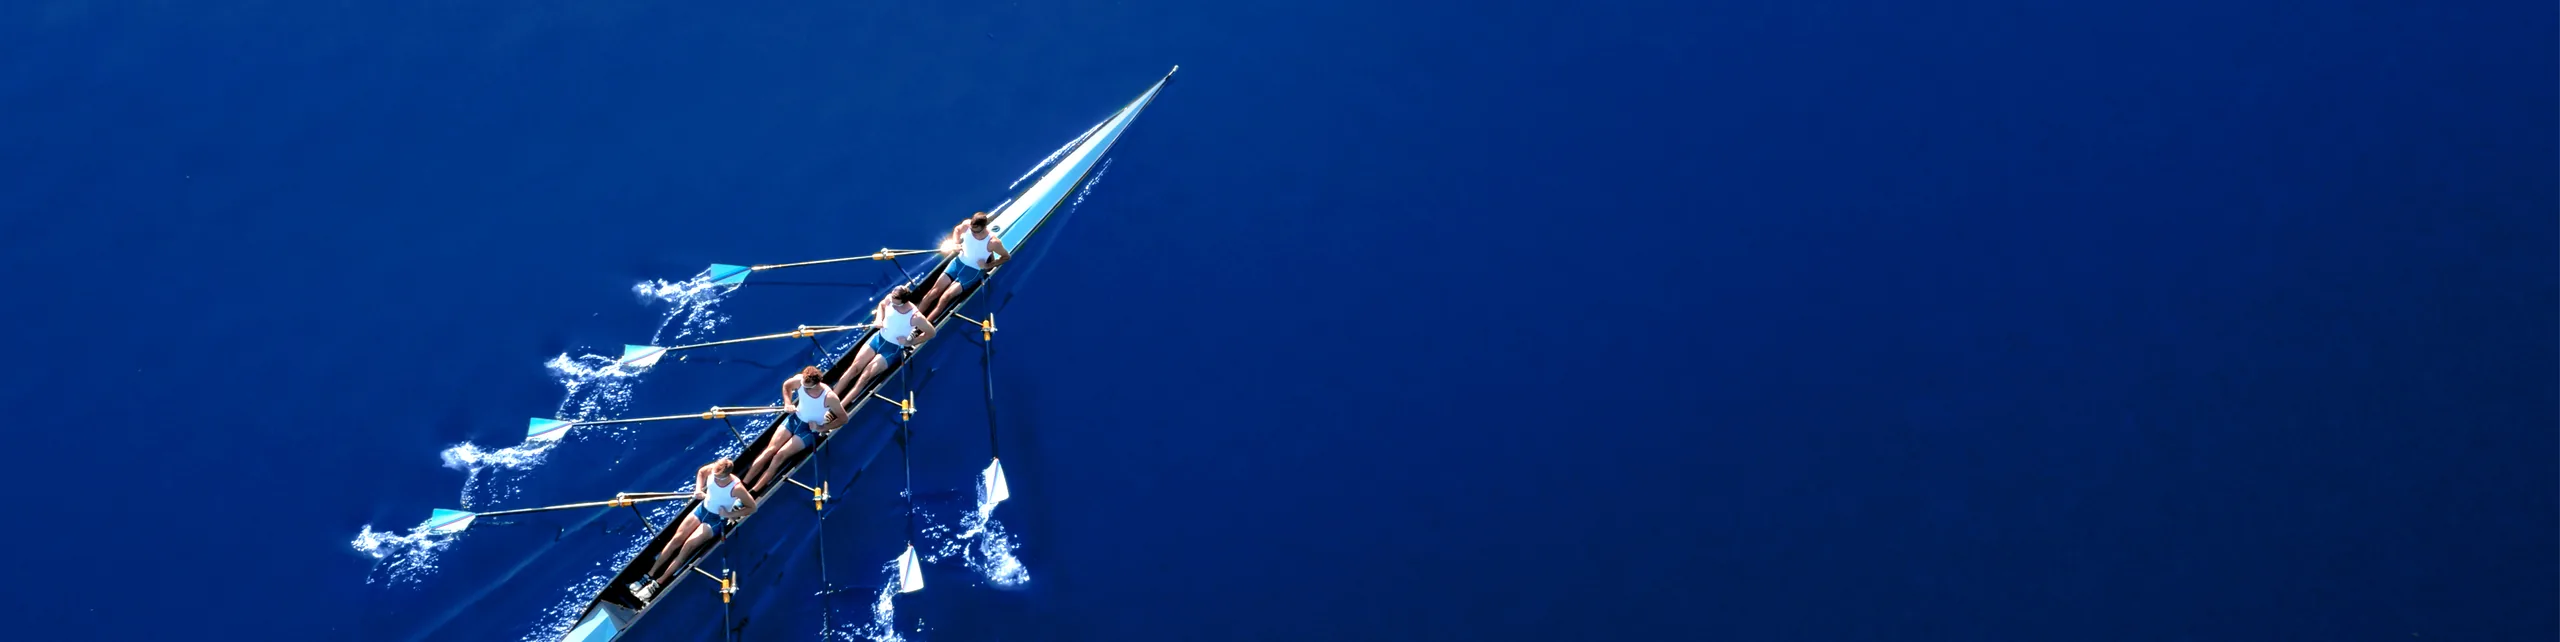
615	610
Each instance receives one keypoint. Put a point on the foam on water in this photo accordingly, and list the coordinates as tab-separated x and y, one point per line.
883	626
401	557
689	305
993	557
1098	173
981	544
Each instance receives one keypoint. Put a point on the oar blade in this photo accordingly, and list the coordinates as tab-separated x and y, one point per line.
637	357
450	521
725	274
910	571
541	429
995	490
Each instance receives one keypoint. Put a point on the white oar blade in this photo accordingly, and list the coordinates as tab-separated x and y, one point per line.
995	490
721	274
540	429
910	572
450	521
636	357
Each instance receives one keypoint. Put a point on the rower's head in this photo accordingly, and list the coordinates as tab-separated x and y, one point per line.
811	375
720	467
978	222
903	294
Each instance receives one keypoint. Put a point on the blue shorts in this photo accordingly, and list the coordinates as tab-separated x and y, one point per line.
808	435
963	274
710	520
890	350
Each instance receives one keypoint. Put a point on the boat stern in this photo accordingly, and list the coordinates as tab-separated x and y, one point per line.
602	624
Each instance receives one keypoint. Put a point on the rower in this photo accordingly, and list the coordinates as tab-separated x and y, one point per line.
724	502
815	411
980	251
902	326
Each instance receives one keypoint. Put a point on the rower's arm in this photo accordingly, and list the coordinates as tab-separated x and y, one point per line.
836	410
702	480
788	386
746	500
925	326
1002	254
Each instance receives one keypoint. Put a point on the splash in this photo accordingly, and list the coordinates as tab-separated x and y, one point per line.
1054	156
1098	173
982	544
689	305
883	626
591	385
993	557
469	458
594	387
482	469
401	558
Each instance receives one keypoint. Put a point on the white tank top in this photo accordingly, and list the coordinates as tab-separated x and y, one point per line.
718	499
811	410
975	251
898	325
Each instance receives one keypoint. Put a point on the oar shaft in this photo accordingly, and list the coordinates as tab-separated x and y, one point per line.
778	335
882	255
641	498
714	414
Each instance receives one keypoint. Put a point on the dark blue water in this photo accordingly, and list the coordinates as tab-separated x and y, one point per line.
1771	320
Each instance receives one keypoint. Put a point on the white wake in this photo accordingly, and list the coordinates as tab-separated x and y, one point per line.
401	557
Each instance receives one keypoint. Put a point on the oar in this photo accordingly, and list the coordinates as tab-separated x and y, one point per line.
541	429
724	274
910	571
994	488
446	520
645	356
